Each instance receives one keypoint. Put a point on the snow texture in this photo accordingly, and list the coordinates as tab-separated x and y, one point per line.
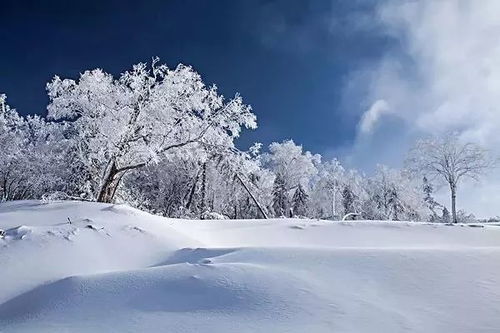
87	267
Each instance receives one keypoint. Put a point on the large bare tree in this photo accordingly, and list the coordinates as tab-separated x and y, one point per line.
447	158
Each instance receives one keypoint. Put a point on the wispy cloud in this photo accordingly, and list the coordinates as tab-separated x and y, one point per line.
373	115
443	75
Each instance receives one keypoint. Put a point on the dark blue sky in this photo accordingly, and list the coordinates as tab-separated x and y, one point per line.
288	59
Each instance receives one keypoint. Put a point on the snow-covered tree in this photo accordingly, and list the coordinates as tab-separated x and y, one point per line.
348	198
32	162
394	195
300	201
209	183
292	164
12	142
325	200
164	188
353	193
249	179
432	204
464	217
386	192
126	123
428	189
445	217
280	196
450	160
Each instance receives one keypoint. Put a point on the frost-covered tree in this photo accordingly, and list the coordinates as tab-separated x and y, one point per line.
386	193
45	157
164	188
394	195
464	217
126	123
300	201
255	183
348	198
294	165
432	204
445	217
11	153
450	160
204	183
32	158
353	195
325	200
280	196
428	189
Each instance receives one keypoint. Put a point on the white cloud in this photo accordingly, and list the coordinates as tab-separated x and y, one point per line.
445	76
372	116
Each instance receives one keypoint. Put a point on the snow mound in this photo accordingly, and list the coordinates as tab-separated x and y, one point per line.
85	267
179	294
17	233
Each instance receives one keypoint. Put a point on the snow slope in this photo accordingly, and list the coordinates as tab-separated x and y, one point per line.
117	269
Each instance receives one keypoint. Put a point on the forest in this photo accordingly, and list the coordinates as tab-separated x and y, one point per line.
161	140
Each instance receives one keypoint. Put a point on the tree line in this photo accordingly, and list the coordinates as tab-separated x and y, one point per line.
161	140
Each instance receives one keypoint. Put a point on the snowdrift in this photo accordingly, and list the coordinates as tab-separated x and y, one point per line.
87	267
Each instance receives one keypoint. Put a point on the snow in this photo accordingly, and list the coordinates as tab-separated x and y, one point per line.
118	269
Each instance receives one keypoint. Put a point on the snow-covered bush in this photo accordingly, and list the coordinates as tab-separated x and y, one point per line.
213	216
54	196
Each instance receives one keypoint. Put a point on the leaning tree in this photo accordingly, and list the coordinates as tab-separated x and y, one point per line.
448	159
123	124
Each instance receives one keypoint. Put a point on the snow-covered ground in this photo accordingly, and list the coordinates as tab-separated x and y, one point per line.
117	269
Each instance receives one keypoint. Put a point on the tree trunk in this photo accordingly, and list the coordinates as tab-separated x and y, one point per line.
109	185
453	189
203	203
192	191
252	196
334	212
111	179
